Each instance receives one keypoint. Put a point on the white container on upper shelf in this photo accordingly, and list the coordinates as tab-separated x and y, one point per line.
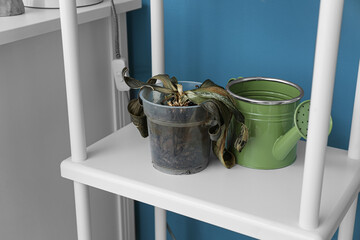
55	3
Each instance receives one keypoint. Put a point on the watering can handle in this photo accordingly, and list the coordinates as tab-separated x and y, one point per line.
233	79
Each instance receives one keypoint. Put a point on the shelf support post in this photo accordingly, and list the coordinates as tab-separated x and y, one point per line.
354	142
327	43
346	229
69	32
158	67
125	206
157	36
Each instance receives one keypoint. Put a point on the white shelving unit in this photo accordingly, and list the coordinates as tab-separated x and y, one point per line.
37	21
307	200
258	203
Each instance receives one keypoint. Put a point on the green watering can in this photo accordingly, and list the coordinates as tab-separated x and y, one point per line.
274	117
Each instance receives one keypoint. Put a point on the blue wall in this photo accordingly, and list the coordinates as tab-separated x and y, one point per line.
223	39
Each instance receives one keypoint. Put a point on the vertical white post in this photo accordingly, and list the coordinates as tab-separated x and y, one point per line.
70	43
346	228
157	36
326	52
160	224
69	32
82	210
354	142
125	206
158	66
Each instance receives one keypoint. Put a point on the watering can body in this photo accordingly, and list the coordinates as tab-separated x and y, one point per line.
268	106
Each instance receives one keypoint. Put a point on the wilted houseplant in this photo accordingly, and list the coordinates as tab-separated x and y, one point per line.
218	105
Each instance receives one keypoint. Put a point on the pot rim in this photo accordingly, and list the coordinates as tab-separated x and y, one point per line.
166	106
264	102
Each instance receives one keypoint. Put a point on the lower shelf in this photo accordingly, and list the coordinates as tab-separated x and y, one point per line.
262	204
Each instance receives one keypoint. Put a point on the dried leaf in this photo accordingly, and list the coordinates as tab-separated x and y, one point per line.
215	92
180	89
214	132
138	116
166	81
131	82
219	132
224	155
218	102
242	139
136	84
174	80
208	83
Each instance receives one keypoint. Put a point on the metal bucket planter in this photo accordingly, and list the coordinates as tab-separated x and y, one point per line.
179	139
268	106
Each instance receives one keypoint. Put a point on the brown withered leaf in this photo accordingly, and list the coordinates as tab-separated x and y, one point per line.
136	84
210	90
167	82
242	139
219	132
138	116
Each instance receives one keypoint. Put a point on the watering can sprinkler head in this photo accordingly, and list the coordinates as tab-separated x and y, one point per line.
285	143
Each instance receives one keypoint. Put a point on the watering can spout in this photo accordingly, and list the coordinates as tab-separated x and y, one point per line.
285	143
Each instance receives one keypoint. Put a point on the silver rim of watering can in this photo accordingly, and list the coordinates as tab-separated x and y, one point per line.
263	102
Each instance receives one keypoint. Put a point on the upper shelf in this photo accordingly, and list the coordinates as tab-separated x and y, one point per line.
37	21
260	203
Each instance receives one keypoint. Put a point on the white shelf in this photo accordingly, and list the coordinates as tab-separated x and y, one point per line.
36	21
260	203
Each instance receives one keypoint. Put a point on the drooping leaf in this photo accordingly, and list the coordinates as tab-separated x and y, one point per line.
195	98
208	83
138	116
226	157
220	104
131	82
136	84
217	110
174	80
218	133
214	132
215	92
184	99
242	139
166	81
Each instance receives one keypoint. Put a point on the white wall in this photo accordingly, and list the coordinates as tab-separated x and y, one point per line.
35	202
